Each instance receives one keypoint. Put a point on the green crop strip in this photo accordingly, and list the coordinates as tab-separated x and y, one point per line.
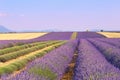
16	48
74	35
9	56
20	63
46	72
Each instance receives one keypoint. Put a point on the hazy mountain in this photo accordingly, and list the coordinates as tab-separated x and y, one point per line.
4	29
46	30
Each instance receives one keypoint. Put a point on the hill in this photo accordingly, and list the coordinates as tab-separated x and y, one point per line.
4	29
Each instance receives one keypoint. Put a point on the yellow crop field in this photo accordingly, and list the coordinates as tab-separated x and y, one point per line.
110	34
20	36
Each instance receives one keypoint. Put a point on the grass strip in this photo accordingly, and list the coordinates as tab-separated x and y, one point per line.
74	35
16	48
14	55
18	64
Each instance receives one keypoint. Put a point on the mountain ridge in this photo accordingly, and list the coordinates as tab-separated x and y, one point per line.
4	29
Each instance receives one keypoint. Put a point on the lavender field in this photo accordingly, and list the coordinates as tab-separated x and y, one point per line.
61	56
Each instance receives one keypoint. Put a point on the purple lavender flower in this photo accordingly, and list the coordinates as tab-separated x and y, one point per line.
89	35
52	66
49	36
91	64
112	53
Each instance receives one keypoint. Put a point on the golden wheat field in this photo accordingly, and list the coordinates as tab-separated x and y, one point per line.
110	34
20	36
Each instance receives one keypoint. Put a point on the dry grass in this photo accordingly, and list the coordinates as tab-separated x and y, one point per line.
19	36
110	34
69	74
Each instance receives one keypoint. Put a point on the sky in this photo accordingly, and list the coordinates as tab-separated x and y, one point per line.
64	15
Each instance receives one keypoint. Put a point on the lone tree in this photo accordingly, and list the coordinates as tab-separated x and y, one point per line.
87	30
101	30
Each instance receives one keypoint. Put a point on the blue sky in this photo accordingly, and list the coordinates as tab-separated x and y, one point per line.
60	14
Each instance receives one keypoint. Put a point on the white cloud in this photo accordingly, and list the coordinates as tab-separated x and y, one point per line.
6	14
22	15
3	14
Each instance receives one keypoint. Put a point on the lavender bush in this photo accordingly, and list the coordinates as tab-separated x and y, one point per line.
112	53
89	35
91	64
112	41
52	66
46	37
55	36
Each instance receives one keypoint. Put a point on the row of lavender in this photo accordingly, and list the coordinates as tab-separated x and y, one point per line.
84	35
97	65
55	36
110	48
49	36
89	66
52	66
112	41
92	65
